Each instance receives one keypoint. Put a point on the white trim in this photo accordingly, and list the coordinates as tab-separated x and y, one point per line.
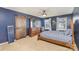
3	43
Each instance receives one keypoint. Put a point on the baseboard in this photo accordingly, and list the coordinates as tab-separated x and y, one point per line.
3	43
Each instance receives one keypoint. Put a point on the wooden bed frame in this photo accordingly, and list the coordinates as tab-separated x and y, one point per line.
59	42
65	44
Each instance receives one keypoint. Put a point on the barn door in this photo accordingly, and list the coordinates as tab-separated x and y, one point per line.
20	26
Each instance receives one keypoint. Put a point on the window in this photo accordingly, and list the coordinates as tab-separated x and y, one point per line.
48	24
62	23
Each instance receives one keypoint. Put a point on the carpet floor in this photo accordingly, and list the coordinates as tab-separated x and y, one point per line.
32	44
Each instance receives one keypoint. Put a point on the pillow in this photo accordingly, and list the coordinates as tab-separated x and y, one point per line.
68	32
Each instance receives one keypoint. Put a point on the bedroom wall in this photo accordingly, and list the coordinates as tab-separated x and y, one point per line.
42	22
7	17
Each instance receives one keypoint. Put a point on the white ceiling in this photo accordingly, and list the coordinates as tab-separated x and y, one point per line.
37	11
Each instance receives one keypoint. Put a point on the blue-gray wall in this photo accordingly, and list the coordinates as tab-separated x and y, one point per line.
6	18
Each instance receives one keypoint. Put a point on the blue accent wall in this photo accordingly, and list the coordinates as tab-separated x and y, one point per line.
6	18
42	22
28	25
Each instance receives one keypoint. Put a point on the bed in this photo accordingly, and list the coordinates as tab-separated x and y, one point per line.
58	37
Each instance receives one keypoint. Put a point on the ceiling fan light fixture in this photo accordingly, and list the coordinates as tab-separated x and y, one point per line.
44	13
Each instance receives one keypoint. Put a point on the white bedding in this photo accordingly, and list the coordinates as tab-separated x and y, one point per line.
60	36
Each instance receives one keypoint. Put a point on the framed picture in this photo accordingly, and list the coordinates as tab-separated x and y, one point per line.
47	24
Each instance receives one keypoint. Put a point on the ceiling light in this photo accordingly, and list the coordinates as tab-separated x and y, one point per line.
44	13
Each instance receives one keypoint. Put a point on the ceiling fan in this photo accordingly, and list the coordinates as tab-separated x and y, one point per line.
44	14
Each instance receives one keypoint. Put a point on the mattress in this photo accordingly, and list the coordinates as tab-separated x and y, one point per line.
55	35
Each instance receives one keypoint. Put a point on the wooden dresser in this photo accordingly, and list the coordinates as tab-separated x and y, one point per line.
34	31
34	28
